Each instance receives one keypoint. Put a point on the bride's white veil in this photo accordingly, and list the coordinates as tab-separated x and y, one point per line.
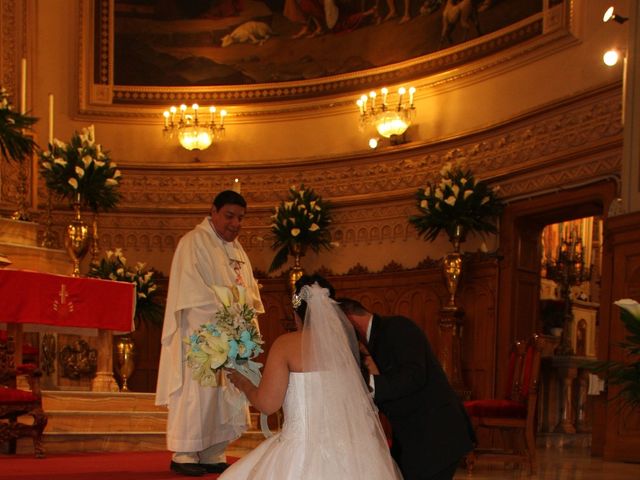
344	437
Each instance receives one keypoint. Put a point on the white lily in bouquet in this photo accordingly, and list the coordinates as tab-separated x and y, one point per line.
230	341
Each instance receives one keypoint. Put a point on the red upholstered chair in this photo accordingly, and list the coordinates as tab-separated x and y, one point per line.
513	416
15	403
30	353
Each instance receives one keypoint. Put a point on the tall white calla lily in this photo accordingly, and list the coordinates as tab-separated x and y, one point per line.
629	305
224	294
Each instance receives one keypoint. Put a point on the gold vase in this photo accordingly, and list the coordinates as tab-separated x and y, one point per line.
126	352
452	271
453	265
296	271
95	241
76	239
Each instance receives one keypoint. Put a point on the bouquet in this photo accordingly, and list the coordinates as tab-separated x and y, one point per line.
81	168
114	267
456	201
625	374
302	221
15	142
229	342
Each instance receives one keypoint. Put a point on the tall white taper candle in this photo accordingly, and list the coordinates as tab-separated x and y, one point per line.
23	86
51	118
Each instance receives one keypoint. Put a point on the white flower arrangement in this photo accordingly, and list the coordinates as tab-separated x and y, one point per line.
301	220
114	267
16	131
81	168
456	201
229	342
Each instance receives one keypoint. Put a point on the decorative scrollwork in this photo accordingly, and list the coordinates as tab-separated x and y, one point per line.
78	360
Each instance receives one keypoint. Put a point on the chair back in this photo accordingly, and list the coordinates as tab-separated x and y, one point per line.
527	387
7	365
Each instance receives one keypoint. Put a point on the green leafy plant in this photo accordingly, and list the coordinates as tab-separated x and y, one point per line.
625	374
114	267
16	143
302	220
81	168
456	200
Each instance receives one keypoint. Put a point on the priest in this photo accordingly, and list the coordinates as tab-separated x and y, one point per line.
203	420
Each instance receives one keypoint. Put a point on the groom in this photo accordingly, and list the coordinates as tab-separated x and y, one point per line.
431	431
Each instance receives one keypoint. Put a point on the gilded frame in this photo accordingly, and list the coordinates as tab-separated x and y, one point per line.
100	96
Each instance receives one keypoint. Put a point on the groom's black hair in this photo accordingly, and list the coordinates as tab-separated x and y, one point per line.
310	280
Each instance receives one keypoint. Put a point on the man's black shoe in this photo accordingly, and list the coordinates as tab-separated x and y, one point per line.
188	469
214	467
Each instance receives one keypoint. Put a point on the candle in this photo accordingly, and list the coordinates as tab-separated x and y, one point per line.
212	118
236	185
401	92
195	107
384	91
360	109
412	91
23	86
166	118
183	108
372	95
223	114
51	119
173	111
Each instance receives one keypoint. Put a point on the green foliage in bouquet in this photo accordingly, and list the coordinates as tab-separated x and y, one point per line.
15	143
81	167
625	374
456	199
114	267
303	219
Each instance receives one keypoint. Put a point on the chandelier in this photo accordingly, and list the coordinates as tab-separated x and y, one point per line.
389	118
195	131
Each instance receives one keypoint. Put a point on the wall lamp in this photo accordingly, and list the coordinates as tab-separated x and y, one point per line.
610	14
194	131
389	117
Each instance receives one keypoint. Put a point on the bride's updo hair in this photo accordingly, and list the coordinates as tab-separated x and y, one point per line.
301	308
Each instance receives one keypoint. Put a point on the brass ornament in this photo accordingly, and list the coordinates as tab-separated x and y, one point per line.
126	352
76	239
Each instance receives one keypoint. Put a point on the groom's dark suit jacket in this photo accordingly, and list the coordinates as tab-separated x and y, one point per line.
431	430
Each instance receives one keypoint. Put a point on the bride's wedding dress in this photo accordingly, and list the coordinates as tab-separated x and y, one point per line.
331	428
291	455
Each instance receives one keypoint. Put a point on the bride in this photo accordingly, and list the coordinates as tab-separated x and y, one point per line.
331	429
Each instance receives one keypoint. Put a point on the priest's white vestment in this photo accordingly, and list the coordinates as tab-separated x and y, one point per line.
200	416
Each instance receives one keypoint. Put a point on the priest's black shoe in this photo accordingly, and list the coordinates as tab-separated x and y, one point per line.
188	469
214	467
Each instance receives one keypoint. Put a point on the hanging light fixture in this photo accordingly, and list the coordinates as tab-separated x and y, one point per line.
193	131
387	119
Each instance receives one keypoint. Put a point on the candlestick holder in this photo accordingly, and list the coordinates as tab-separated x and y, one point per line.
567	270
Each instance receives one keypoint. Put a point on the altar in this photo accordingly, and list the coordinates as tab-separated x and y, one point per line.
77	305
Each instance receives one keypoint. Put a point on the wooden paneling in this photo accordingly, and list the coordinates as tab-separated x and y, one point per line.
621	279
418	294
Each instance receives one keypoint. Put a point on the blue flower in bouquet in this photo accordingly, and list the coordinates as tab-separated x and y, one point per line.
232	339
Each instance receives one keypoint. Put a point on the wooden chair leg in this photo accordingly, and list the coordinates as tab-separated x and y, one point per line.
469	461
531	450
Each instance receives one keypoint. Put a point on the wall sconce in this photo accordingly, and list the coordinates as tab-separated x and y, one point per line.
388	121
194	133
610	14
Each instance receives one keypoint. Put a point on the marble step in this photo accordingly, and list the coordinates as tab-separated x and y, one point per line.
82	421
59	400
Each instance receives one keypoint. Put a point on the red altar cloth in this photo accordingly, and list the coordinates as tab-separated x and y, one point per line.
45	298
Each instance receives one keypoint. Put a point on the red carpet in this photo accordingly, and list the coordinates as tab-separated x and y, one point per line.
91	466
